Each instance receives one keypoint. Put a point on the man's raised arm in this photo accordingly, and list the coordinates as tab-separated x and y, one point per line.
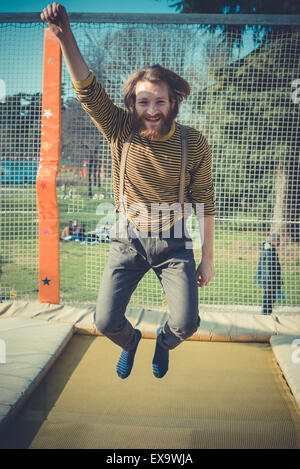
110	119
56	17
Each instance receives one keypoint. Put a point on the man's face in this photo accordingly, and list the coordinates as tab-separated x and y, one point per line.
153	115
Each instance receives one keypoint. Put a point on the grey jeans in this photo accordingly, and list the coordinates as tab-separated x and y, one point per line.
131	255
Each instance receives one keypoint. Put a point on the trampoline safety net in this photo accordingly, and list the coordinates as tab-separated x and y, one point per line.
245	95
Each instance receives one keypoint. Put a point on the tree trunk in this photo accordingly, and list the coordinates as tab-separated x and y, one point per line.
292	214
286	212
278	224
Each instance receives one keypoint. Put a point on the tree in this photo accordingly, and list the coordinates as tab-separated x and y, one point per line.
254	127
274	7
253	95
20	126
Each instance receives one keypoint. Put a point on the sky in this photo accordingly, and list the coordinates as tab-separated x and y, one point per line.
94	6
21	54
11	82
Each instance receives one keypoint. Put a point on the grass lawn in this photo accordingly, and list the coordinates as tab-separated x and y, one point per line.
81	265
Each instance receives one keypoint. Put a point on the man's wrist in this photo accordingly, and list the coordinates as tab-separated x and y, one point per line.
209	257
66	37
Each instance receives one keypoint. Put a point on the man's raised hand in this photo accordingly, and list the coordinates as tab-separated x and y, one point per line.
55	15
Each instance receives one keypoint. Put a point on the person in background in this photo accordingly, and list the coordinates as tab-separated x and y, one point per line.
268	274
67	233
63	191
75	225
79	234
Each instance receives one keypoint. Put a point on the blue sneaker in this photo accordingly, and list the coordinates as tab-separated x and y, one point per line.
160	362
125	363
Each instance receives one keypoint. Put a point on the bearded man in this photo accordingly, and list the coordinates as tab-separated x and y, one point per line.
148	149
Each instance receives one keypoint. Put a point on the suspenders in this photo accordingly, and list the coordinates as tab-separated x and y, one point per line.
125	150
184	155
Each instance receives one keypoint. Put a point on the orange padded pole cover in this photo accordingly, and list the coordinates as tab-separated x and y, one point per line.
47	172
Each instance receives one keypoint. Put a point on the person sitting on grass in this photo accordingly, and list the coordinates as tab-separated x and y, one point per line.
67	232
79	234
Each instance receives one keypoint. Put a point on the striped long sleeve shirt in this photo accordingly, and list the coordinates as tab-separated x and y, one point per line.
152	173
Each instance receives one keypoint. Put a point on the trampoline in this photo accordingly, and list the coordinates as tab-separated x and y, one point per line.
217	394
236	382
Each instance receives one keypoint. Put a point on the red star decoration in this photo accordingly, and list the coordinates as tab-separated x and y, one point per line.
43	185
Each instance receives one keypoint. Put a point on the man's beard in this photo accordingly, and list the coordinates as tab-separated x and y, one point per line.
152	134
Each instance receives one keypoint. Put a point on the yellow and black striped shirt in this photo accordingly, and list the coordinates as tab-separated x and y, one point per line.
153	166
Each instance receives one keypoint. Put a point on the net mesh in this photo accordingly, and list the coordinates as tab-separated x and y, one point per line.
21	65
245	101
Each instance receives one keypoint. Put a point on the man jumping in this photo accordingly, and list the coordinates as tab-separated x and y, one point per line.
148	149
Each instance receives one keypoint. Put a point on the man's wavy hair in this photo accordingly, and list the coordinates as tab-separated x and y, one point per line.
179	89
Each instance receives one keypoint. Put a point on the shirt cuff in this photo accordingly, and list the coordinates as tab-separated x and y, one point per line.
80	85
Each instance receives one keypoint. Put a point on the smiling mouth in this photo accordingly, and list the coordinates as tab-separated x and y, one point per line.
152	119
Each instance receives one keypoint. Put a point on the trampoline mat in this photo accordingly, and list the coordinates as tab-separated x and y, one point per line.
215	395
